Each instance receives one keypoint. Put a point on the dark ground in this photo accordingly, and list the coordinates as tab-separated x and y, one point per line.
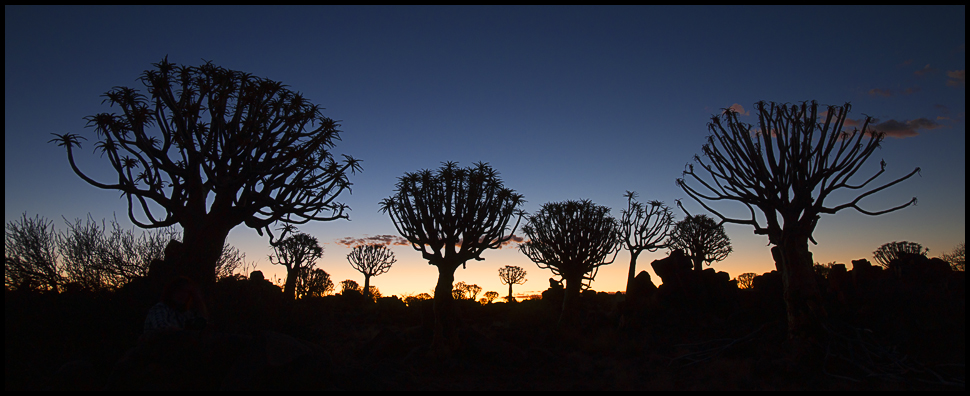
885	336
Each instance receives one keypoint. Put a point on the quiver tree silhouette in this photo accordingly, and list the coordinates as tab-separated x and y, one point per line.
313	282
489	296
702	239
572	239
452	216
371	260
214	148
297	253
893	250
786	169
746	280
30	255
643	228
512	275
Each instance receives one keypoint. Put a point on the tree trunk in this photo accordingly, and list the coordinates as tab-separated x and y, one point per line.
633	272
445	341
202	244
289	287
366	291
510	293
698	263
570	301
802	297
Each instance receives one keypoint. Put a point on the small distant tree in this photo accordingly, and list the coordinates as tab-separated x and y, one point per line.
349	285
313	282
512	275
643	228
490	296
823	270
371	260
297	252
472	291
702	239
746	280
30	255
957	258
417	297
892	250
373	293
572	239
452	216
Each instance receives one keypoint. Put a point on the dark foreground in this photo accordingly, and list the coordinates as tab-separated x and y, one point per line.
882	334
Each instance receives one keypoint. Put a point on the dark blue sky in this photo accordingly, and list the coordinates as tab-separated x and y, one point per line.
566	102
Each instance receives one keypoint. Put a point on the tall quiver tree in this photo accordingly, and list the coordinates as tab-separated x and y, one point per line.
298	253
371	260
211	148
702	239
511	275
786	169
643	228
572	239
451	216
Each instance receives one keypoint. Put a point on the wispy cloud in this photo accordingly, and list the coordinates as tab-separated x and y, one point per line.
392	240
958	78
903	129
887	93
925	70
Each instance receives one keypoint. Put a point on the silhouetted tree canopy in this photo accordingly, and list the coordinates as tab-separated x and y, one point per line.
745	280
786	169
957	258
210	148
371	260
572	239
643	228
702	239
489	296
892	250
297	253
452	215
512	275
313	282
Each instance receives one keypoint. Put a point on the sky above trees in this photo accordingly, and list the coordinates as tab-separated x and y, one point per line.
567	103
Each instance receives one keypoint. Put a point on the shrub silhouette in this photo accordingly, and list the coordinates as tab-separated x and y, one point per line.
215	148
30	255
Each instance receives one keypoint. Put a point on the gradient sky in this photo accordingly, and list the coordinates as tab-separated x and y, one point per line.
566	102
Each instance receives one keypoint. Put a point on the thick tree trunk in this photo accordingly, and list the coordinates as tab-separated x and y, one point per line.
802	297
698	263
289	288
570	301
366	291
445	341
632	273
510	292
201	247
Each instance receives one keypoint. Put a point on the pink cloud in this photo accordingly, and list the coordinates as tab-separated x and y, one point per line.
737	108
903	129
